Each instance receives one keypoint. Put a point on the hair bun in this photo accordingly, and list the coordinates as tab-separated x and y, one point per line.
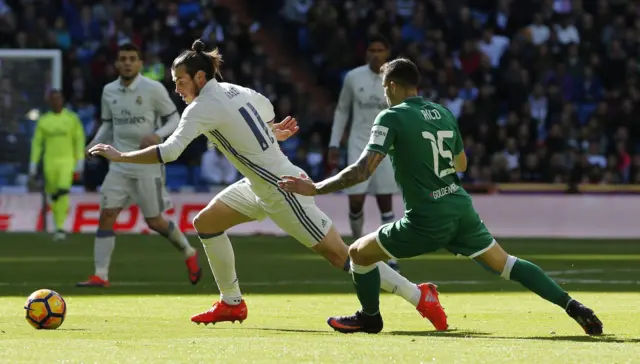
198	46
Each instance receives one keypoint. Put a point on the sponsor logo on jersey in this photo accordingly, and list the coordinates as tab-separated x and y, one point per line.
378	134
445	191
374	102
139	100
126	118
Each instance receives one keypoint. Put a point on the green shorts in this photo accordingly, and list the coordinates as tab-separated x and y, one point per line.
467	236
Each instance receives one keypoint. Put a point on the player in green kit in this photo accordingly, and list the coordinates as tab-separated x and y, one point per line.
426	151
59	141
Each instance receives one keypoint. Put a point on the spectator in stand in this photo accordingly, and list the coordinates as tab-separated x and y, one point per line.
553	77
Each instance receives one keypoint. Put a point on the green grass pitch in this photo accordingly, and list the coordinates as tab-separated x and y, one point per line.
144	316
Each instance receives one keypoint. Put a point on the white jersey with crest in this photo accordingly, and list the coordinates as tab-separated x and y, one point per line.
131	112
235	119
361	100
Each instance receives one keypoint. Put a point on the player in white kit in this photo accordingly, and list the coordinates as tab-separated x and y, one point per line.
136	112
362	99
239	121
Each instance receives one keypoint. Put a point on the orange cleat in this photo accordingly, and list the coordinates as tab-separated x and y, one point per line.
94	281
195	272
429	306
221	312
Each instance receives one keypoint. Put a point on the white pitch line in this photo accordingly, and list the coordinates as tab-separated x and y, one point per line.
577	271
558	273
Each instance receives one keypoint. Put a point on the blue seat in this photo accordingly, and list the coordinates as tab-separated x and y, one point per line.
7	169
177	176
196	177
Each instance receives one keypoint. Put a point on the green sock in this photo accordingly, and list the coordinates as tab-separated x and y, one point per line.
368	290
538	282
60	207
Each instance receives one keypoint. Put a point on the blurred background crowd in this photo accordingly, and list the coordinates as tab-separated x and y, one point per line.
544	90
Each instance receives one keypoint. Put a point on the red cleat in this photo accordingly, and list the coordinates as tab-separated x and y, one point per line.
221	312
93	281
195	272
430	308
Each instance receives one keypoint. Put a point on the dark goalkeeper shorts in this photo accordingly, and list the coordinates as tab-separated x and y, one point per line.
467	236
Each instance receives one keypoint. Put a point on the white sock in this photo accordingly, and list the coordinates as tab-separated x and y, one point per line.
392	281
177	238
387	217
103	245
223	265
357	221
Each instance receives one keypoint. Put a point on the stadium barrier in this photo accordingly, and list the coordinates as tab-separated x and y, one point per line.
539	215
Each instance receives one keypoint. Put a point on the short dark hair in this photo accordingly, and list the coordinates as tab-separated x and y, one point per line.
401	71
379	38
129	47
54	91
196	59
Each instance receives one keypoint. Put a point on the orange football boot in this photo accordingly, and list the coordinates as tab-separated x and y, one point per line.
195	272
221	312
94	281
429	306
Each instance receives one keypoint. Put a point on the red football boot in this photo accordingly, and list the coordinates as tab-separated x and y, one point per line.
430	308
195	272
94	281
221	312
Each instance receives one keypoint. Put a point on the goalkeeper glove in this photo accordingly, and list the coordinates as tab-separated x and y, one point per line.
33	169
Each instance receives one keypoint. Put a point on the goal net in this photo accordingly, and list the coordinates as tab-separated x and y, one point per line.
26	76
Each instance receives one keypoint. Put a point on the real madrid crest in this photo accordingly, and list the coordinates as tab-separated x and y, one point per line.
139	100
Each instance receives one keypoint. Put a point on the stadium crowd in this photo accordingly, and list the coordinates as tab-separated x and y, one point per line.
544	90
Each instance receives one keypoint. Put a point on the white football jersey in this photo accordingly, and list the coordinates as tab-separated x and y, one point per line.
132	112
362	99
235	119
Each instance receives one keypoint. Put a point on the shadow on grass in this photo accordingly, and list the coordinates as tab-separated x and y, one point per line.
464	334
458	334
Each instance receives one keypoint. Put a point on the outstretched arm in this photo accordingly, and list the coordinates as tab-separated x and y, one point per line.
356	173
190	127
150	155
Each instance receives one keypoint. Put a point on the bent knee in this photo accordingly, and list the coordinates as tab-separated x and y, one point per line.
206	221
355	255
197	221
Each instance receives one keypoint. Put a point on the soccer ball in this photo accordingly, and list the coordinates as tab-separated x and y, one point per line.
45	309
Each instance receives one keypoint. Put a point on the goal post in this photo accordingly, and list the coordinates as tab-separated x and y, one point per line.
53	55
27	75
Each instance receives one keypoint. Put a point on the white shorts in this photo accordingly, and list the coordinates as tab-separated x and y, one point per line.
149	193
381	182
296	215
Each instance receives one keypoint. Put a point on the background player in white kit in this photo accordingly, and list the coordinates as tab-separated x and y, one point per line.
136	112
362	99
239	121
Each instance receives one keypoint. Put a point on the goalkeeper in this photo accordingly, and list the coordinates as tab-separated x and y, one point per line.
59	140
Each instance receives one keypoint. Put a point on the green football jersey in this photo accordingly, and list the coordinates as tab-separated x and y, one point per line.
422	139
